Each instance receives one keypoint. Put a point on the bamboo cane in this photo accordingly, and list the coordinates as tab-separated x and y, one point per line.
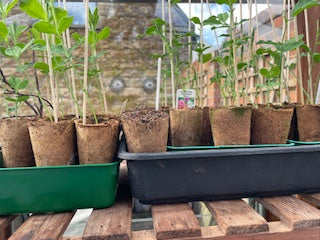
86	49
72	75
249	52
234	50
258	34
288	56
189	46
171	57
243	79
272	21
201	57
164	52
310	86
282	61
301	89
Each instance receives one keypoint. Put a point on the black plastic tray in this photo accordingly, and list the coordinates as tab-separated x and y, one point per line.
185	176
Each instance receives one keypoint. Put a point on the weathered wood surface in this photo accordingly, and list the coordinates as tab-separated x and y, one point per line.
313	199
43	227
292	211
112	223
5	229
172	221
237	217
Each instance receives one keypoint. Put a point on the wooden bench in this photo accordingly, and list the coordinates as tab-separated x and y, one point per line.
299	219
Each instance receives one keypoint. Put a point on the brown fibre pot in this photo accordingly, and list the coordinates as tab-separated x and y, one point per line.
53	144
206	136
186	127
231	126
308	122
15	143
146	130
97	143
271	125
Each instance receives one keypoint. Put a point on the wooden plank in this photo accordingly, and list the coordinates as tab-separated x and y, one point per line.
237	217
175	221
313	199
292	211
215	233
43	226
112	223
71	238
5	228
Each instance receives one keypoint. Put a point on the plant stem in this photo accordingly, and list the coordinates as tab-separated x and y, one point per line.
164	52
250	46
234	56
258	34
201	56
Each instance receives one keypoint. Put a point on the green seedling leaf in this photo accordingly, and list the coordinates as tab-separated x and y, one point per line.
304	4
14	52
316	57
241	65
11	99
22	85
3	31
42	66
44	27
223	17
173	2
34	9
60	13
212	20
104	33
64	24
159	22
206	57
35	33
228	2
195	20
22	98
76	36
151	30
40	41
274	72
10	6
264	72
26	46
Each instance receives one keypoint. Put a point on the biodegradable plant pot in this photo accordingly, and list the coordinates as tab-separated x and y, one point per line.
231	126
186	127
53	144
206	137
145	130
97	143
271	125
15	143
308	122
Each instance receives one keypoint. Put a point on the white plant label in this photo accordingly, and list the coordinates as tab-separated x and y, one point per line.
186	98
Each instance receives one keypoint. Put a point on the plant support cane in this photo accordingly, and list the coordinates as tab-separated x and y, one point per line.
171	57
85	72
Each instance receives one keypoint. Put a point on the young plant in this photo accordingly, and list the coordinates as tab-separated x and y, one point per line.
16	88
226	78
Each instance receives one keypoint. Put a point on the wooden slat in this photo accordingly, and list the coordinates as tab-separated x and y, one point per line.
112	223
215	233
237	217
313	199
175	221
71	238
5	222
292	211
44	227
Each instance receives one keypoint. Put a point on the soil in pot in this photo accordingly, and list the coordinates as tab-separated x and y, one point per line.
206	137
53	144
15	143
271	125
186	127
231	126
97	143
146	130
308	122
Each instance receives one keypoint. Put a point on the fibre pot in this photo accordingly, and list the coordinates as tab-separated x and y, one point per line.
186	127
97	142
308	122
206	137
231	126
15	143
146	130
53	144
271	125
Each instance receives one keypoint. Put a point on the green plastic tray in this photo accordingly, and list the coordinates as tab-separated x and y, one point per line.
170	148
302	143
58	188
